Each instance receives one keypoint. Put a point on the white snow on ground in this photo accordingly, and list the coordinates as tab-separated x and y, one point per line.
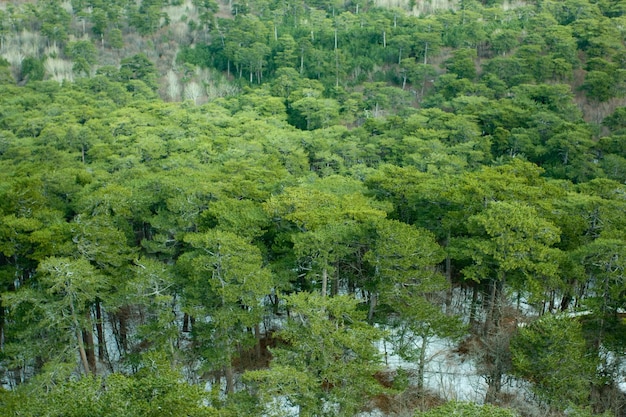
446	373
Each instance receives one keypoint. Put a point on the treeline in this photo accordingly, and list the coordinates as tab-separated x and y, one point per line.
385	176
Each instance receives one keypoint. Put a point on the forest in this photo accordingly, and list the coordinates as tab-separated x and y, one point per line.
219	208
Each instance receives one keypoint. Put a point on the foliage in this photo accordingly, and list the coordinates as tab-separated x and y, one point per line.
337	163
155	390
328	361
552	354
453	408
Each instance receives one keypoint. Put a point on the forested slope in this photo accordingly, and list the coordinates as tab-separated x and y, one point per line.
253	195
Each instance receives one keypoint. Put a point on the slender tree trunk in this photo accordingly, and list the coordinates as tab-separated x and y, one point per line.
79	339
336	68
185	323
421	366
491	307
257	336
552	300
494	334
448	276
229	374
100	332
89	350
565	301
494	386
122	317
372	309
473	306
324	282
1	326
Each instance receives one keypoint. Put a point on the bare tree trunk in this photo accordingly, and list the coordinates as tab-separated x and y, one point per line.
89	350
186	323
496	337
79	339
230	378
491	307
372	309
257	336
123	317
1	326
324	282
100	332
448	276
421	366
474	304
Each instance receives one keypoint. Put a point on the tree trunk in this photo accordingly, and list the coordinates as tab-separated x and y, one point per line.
122	317
474	304
257	336
421	366
490	320
324	282
79	339
229	374
494	385
448	276
565	301
496	337
186	323
100	332
334	287
89	350
1	326
372	309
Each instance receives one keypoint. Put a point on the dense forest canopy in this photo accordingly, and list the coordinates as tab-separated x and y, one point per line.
222	208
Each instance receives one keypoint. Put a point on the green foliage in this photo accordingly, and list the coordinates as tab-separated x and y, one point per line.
84	55
328	361
453	408
552	354
138	67
155	390
598	86
344	147
32	69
